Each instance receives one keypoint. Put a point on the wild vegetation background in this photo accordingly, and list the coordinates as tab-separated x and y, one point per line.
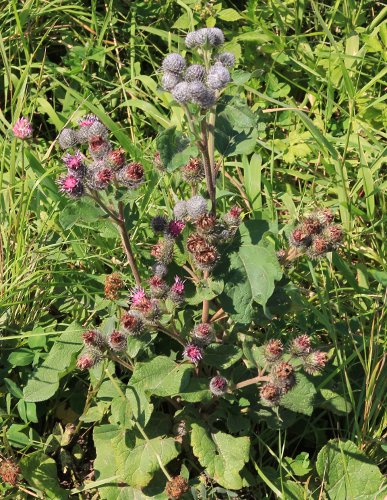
326	59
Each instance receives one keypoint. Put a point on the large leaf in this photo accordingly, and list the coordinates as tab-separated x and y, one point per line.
161	376
127	456
300	399
249	270
222	455
61	359
40	471
348	473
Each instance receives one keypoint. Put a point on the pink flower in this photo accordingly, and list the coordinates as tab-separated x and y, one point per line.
300	346
117	341
175	227
22	128
137	296
193	352
235	212
71	185
315	362
73	162
87	120
87	360
93	338
218	385
178	286
273	350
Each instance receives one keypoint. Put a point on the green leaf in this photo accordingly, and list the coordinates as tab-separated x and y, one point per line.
334	402
222	355
229	15
207	290
40	471
21	357
348	473
197	391
222	455
44	382
161	376
300	399
249	270
79	212
175	149
135	459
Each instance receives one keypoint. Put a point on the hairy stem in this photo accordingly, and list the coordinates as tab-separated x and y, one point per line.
250	381
203	145
206	303
126	243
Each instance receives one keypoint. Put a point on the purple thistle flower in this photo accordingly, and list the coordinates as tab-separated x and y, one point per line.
178	286
193	352
137	296
117	341
71	185
87	120
88	359
175	227
73	162
22	128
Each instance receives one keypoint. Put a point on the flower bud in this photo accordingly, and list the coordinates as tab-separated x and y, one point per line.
132	322
325	216
207	99
163	251
132	175
226	58
218	385
100	178
22	129
193	172
315	362
196	206
299	238
333	235
233	217
89	359
152	312
99	148
159	224
159	269
174	63
196	243
115	159
158	287
67	138
205	224
93	338
74	162
218	77
195	73
319	247
197	91
311	225
117	341
71	185
193	353
300	346
97	131
273	350
176	487
9	471
283	375
206	259
113	284
180	210
204	333
169	80
182	93
176	293
270	394
191	40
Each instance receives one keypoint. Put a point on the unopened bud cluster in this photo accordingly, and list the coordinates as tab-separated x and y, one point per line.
196	83
104	167
282	372
316	234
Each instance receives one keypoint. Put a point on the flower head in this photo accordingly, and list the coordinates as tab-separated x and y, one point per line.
159	269
163	250
180	209
97	131
193	172
218	385
9	471
299	238
67	138
113	284
74	161
115	158
181	92
22	128
174	63
99	147
176	487
158	287
193	352
88	359
226	58
196	206
273	350
100	178
196	243
205	223
178	286
270	394
207	258
325	216
203	333
319	247
93	338
282	375
159	224
137	296
132	322
131	175
87	120
117	341
233	217
334	235
71	185
315	362
311	225
169	80
175	227
195	73
300	346
218	76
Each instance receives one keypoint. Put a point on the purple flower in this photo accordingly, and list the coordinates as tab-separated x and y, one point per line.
88	360
87	120
71	185
73	162
117	341
193	352
137	296
218	385
175	227
178	286
22	128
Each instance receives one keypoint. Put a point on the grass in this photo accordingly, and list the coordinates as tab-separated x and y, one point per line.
315	74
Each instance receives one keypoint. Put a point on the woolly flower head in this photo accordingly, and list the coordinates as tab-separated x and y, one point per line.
97	130
300	346
315	362
176	487
87	120
71	185
159	269
22	128
100	178
195	73
196	206
116	158
270	394
132	322
203	333
9	471
218	76
131	175
174	63
180	209
169	80
193	352
99	148
117	341
67	138
218	385
93	338
73	161
159	224
88	359
175	227
182	93
226	58
273	350
197	91
205	36
137	296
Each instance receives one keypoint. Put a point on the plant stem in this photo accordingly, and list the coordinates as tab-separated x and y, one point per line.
203	146
250	381
119	360
126	243
206	303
